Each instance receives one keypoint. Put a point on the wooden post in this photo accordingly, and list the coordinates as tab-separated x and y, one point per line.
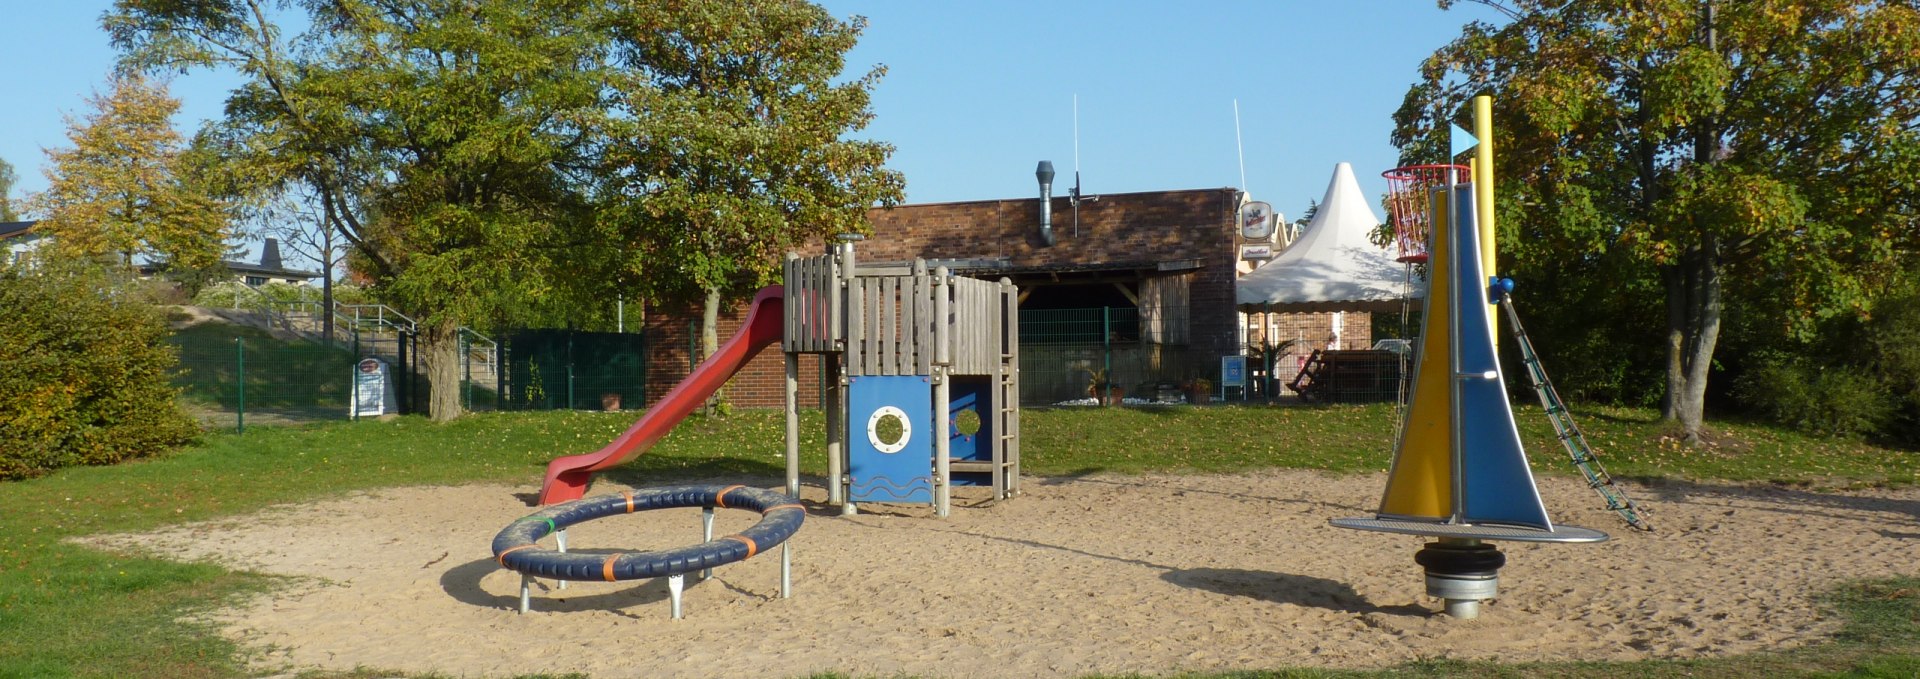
943	361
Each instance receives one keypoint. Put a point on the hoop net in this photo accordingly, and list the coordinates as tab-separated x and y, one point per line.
1408	208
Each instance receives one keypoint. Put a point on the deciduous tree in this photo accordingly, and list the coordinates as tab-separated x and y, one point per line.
128	187
728	145
1763	151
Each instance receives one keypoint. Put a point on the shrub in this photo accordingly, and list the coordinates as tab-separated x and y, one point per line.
1835	400
280	294
86	376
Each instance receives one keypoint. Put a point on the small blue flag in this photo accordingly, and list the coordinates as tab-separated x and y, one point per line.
1462	142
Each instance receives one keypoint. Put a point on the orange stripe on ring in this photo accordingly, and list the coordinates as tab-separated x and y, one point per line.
503	555
629	495
790	505
752	549
606	569
720	498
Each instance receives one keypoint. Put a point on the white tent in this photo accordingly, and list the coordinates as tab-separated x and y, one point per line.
1331	266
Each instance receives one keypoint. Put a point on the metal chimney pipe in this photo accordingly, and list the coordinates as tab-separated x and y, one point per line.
1045	174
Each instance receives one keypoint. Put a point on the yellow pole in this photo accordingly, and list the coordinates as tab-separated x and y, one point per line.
1483	197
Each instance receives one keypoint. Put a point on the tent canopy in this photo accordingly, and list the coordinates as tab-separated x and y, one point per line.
1331	266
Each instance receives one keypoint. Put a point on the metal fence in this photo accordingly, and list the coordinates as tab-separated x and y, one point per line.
565	369
1069	355
233	382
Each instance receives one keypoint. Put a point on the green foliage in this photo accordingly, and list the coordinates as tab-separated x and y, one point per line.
7	177
1661	162
1856	377
497	161
1820	399
729	141
86	379
128	187
277	294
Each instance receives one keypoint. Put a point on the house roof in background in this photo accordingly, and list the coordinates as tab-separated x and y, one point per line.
12	229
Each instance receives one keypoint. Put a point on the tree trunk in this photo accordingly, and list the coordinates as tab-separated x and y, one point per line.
440	349
1673	279
326	274
710	341
1693	316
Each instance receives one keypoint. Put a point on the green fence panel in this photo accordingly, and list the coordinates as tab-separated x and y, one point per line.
565	369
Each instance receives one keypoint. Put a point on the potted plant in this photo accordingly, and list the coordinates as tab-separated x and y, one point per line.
1103	389
1199	391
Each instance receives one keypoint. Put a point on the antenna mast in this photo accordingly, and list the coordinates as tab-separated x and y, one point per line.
1076	165
1238	147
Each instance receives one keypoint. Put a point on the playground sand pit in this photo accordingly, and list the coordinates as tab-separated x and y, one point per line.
1151	574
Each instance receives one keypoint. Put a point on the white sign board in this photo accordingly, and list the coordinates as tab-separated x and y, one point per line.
1256	252
372	390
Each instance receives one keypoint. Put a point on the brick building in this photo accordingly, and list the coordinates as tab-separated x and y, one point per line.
1139	285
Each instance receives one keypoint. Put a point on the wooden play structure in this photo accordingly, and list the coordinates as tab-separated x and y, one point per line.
922	382
922	375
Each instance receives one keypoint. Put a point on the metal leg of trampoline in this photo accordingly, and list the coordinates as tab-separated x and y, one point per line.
706	535
786	569
526	591
560	538
676	584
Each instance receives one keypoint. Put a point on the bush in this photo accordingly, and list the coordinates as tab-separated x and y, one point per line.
86	378
280	294
1834	400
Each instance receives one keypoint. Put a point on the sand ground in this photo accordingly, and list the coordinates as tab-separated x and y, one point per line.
1148	574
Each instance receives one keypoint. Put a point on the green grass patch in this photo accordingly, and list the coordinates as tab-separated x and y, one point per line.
67	610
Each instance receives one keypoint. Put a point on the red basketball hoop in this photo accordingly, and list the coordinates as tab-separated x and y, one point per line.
1408	205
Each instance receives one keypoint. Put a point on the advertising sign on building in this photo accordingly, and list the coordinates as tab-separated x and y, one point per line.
372	390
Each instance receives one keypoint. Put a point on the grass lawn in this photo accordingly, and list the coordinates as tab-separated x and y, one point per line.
66	610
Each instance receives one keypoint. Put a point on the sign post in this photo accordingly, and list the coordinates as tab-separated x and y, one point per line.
372	390
1233	373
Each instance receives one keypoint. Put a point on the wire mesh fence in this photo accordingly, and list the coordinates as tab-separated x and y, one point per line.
233	381
565	369
1106	353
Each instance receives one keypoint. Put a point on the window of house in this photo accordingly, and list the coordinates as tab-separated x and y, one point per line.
256	280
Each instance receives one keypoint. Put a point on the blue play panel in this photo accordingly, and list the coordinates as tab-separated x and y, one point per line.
897	469
975	394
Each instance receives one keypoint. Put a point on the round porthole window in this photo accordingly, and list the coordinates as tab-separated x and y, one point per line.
889	429
966	422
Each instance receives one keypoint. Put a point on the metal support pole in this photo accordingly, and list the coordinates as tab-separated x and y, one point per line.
1106	353
240	367
466	374
560	539
526	592
353	379
706	535
676	585
786	569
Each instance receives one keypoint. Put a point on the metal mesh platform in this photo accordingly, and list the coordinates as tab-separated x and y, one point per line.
1481	532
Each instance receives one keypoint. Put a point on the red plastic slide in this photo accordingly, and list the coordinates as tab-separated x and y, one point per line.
567	477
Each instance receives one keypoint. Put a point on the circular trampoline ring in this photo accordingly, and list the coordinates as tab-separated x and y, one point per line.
515	546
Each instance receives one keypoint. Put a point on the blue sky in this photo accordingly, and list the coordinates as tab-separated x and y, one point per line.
978	92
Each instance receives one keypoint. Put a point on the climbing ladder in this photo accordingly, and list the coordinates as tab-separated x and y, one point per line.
1569	433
